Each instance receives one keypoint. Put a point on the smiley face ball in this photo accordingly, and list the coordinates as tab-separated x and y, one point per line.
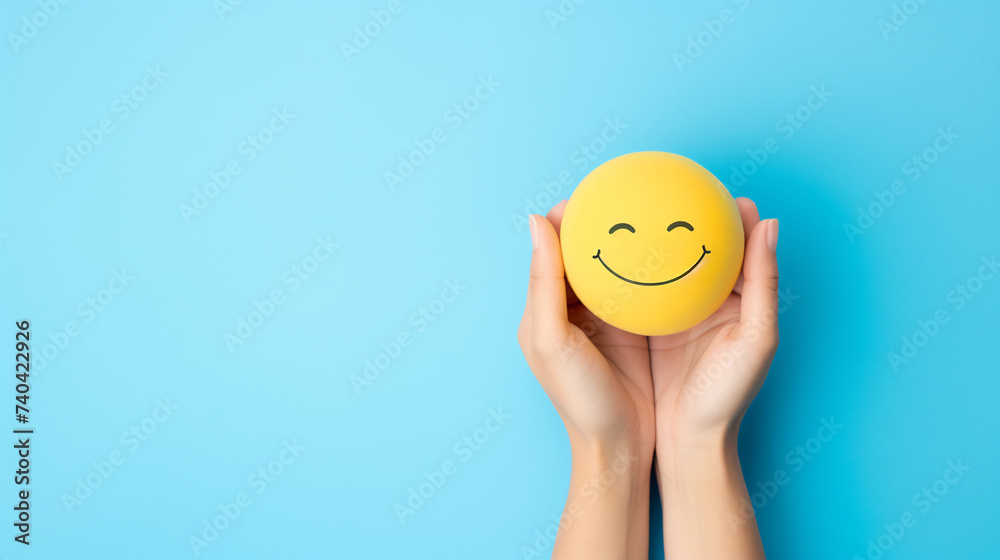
652	243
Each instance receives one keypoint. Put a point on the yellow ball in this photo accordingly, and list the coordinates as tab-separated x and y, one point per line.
652	242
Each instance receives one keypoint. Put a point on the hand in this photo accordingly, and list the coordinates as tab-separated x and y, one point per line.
705	378
599	380
597	376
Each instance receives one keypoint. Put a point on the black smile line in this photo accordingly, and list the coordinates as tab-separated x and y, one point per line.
704	252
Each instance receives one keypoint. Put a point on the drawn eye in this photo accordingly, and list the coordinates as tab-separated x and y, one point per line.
680	224
617	227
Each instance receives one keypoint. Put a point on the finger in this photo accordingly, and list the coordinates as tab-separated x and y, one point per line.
759	305
571	297
547	286
738	286
555	218
750	218
555	215
749	215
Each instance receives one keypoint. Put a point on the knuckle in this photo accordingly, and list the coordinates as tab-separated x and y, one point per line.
772	281
523	337
536	281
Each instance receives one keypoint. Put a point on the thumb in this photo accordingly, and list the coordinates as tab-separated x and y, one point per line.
759	306
547	286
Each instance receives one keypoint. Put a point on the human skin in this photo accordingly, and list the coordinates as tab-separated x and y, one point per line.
622	396
704	380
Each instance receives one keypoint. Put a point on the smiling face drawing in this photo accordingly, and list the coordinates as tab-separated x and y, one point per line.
616	227
652	242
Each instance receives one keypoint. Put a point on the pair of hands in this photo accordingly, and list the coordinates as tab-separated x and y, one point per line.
681	395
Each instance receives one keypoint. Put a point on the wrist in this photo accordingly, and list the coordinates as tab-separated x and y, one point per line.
611	479
682	457
624	457
631	453
701	438
620	473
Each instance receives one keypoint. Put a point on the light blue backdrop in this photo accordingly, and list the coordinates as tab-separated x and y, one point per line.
171	171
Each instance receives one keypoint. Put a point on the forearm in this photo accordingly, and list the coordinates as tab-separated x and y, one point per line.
607	511
706	508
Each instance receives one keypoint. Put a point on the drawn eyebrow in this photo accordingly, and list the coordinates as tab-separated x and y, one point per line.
622	225
680	223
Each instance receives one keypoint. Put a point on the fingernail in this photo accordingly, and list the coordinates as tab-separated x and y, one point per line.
533	226
772	235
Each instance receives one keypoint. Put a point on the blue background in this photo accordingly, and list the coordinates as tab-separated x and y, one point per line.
850	299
